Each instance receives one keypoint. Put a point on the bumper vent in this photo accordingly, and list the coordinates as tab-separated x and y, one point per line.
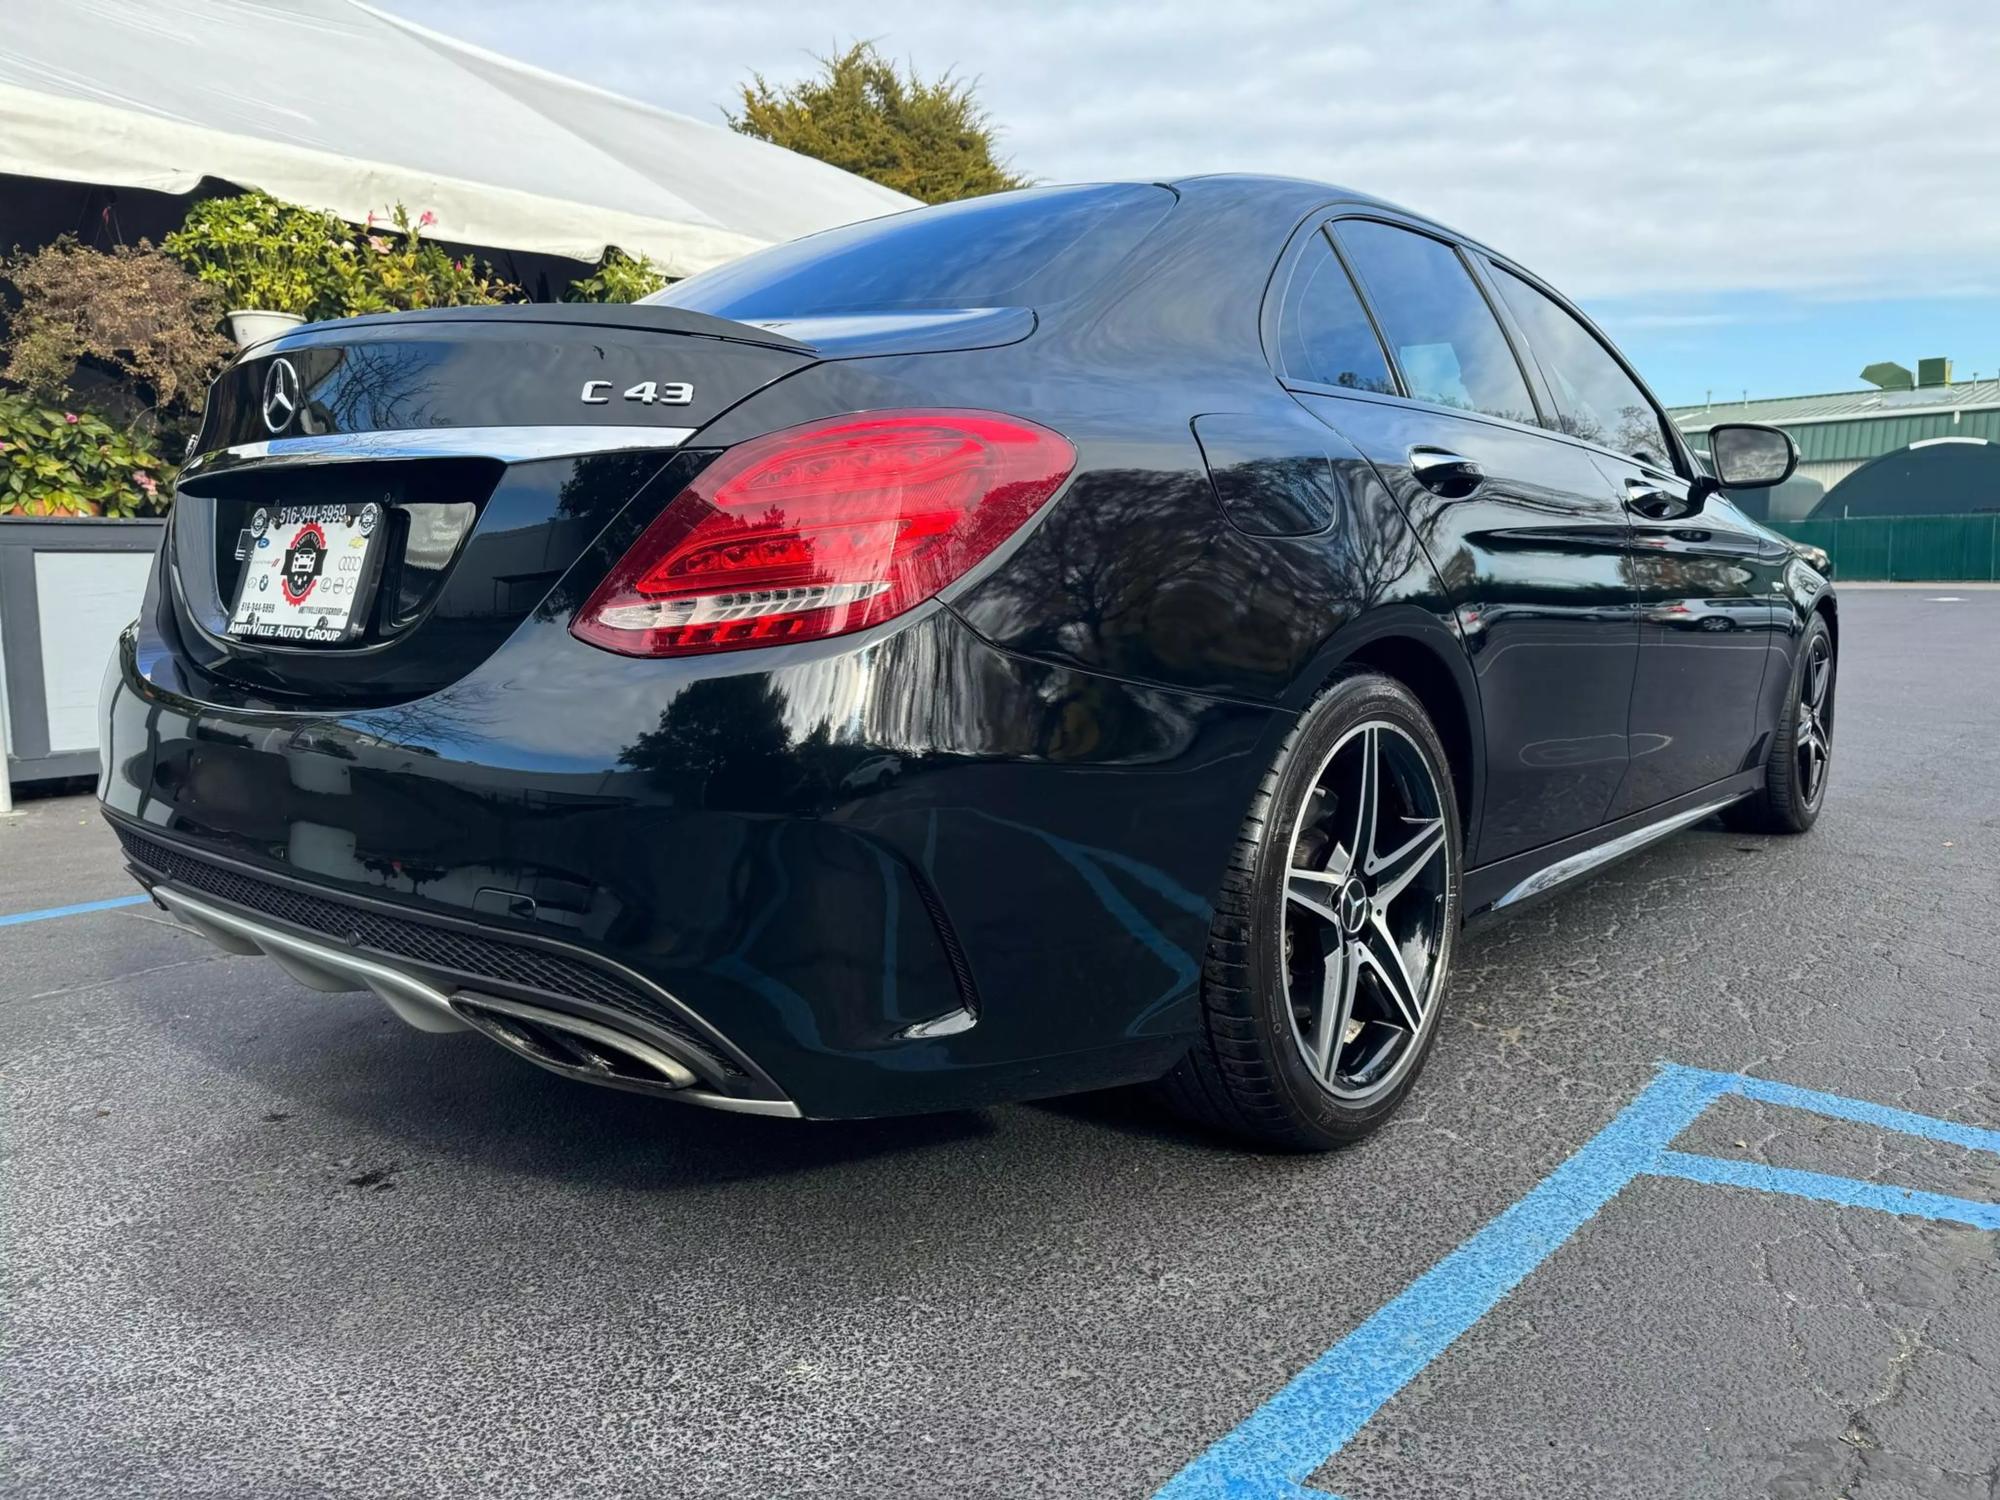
475	959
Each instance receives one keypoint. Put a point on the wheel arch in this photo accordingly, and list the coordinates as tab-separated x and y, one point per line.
1410	647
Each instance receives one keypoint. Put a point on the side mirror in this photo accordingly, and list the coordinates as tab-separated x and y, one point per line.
1749	456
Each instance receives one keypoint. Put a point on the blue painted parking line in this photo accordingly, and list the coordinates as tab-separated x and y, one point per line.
1862	1112
51	913
1845	1191
1298	1430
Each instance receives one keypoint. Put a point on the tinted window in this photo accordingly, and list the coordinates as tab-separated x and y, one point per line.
1445	338
1023	249
1599	401
1323	333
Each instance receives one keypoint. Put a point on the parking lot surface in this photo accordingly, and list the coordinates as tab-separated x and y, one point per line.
256	1241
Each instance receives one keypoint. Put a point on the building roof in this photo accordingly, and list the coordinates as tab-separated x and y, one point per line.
338	106
1842	406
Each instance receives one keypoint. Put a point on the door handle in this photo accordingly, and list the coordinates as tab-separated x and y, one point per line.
1655	502
1445	473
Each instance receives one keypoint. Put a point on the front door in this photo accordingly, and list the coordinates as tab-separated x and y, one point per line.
1708	612
1702	583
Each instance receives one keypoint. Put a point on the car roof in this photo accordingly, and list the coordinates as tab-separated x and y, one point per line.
1301	195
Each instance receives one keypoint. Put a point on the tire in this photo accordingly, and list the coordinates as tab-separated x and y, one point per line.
1300	1007
1792	795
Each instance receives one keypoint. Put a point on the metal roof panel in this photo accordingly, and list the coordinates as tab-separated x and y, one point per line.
1842	406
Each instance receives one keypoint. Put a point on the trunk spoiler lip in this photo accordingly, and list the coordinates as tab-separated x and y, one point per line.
629	316
861	333
847	333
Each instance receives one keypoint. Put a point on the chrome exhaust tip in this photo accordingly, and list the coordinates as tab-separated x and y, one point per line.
573	1046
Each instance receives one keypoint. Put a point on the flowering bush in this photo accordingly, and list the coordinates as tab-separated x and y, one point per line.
393	268
260	252
618	278
129	332
66	463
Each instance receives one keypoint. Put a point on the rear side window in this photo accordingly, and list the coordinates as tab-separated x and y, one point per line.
1445	338
1600	402
1025	249
1323	331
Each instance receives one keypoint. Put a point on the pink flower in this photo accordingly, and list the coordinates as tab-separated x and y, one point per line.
427	220
370	224
72	418
379	245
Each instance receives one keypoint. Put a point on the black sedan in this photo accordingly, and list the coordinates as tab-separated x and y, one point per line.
1076	637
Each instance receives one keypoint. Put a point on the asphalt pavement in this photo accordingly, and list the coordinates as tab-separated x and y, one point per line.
257	1241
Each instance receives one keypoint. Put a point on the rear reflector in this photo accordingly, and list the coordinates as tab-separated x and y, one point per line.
824	529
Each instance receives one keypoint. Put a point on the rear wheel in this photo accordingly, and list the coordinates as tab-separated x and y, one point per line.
1330	944
1795	774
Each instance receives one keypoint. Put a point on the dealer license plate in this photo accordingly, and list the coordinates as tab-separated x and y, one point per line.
308	572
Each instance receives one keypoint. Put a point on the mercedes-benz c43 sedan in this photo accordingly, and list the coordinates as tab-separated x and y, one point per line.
1070	638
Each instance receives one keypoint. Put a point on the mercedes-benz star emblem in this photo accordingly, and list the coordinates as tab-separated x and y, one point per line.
281	395
1354	907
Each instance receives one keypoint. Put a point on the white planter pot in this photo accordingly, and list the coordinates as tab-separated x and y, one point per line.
250	326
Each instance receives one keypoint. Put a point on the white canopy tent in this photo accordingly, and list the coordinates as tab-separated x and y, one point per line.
340	106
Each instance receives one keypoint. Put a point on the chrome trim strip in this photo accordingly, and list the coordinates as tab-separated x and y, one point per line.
416	1001
508	444
316	965
951	1023
1582	864
729	1104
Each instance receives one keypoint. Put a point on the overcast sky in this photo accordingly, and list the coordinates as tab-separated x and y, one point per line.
1749	196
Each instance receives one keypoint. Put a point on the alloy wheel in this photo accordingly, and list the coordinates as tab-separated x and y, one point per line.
1814	744
1364	912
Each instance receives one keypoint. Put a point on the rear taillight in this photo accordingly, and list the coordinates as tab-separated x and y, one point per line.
824	529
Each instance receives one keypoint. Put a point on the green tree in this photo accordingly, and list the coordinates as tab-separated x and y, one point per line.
928	139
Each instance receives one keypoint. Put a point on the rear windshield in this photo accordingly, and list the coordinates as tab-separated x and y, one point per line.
1025	249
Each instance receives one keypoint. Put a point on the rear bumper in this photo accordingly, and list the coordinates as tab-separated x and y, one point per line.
444	976
895	873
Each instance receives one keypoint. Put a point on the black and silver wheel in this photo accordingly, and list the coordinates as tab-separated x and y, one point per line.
1329	950
1796	772
1812	742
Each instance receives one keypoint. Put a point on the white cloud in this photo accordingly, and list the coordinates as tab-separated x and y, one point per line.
1670	320
1835	149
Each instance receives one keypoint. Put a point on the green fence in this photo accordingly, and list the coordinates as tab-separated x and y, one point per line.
1914	549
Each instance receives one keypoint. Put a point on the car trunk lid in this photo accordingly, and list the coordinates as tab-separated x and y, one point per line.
427	479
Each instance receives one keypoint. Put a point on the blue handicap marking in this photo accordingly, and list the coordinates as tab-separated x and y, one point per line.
1318	1413
49	913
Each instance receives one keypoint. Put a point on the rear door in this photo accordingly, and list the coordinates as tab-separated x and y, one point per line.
1704	583
1524	529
